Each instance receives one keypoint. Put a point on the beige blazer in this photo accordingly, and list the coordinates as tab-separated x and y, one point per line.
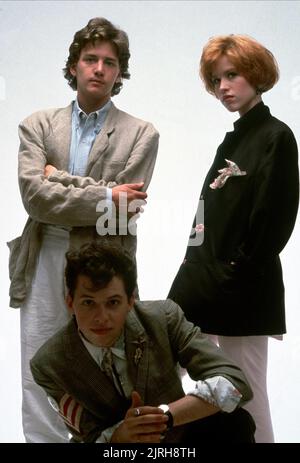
123	152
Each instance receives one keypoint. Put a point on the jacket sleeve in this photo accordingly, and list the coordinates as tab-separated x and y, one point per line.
200	356
275	200
139	167
81	423
69	200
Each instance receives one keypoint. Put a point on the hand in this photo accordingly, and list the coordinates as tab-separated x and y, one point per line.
141	423
49	170
131	190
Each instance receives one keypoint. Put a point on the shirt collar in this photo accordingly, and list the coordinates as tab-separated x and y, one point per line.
118	349
98	114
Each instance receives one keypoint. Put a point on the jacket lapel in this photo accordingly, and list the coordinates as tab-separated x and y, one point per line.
61	135
86	372
102	140
137	352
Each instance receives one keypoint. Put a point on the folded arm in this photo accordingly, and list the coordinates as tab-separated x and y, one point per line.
63	199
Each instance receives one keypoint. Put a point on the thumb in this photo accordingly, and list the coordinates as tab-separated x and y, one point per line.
135	186
136	400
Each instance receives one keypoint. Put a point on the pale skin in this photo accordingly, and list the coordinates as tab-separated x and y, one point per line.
150	424
233	89
101	316
96	71
146	428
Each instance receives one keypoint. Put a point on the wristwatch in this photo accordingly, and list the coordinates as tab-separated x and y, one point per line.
166	410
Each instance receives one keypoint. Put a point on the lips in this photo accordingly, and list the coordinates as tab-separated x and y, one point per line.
94	81
227	98
101	330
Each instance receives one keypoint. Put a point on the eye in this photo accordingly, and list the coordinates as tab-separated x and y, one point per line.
110	63
113	303
87	302
89	59
231	75
215	81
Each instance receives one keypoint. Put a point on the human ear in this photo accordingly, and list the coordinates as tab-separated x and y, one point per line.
73	70
69	303
131	302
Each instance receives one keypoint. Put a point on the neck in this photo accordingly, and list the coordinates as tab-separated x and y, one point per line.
91	106
251	105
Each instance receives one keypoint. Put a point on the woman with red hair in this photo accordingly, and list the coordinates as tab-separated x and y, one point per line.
231	283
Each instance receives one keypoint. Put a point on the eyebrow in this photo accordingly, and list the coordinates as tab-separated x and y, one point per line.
109	297
92	55
231	69
89	54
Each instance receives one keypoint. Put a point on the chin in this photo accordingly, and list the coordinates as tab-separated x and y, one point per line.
105	342
99	343
231	110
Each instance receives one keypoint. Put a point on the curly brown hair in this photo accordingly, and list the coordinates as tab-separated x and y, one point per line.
101	263
99	29
251	59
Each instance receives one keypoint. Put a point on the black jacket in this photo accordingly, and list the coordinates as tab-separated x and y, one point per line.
232	284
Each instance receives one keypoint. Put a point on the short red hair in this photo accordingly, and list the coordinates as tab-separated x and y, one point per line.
251	59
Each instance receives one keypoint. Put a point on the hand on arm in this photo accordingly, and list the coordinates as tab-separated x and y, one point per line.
134	199
49	170
59	198
148	426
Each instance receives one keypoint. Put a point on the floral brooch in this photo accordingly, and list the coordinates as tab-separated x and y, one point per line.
139	349
232	170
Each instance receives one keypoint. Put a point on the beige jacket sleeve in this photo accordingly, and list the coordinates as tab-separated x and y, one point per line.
139	167
124	152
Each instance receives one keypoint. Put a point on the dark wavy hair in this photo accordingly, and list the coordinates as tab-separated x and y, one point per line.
99	29
100	263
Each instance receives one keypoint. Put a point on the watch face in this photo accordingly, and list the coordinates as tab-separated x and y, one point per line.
164	408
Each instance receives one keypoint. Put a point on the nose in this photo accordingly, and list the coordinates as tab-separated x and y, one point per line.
99	67
223	84
101	315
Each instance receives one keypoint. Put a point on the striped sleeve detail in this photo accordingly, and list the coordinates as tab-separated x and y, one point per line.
70	411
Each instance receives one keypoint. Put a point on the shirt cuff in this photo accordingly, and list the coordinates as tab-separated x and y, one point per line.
219	392
106	435
109	194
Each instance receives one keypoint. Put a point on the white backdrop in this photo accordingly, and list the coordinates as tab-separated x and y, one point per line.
166	40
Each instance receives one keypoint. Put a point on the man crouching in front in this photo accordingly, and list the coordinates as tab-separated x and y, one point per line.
112	372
